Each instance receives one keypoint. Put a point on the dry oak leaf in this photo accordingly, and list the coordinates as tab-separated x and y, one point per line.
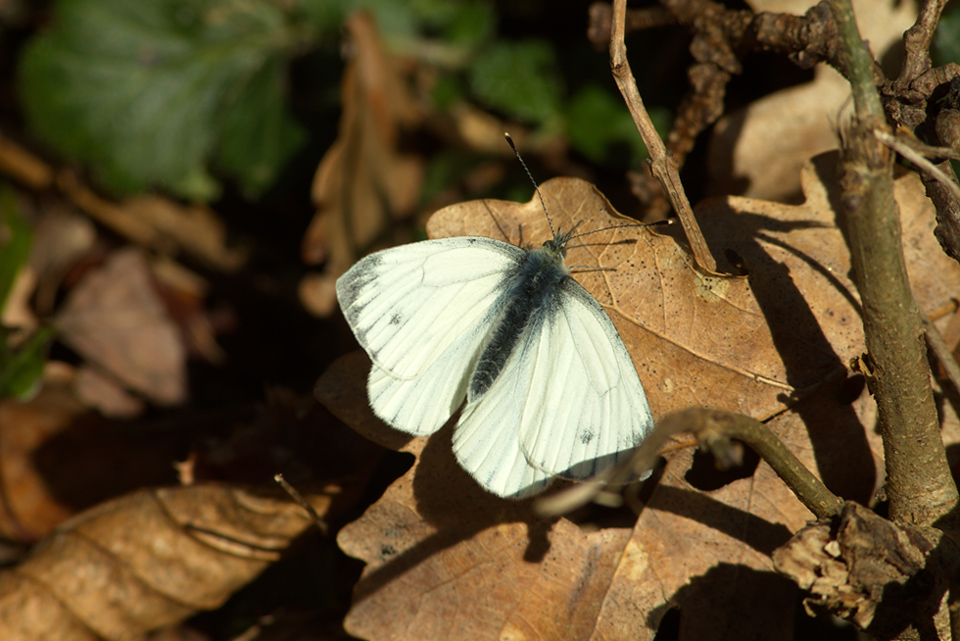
146	560
363	181
436	546
744	343
447	560
115	319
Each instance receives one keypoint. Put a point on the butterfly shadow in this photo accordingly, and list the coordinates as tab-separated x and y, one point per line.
458	510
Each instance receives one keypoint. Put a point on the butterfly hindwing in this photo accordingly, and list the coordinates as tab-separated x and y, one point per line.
422	404
486	437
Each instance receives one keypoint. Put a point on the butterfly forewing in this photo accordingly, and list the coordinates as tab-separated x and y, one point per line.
422	312
409	304
586	406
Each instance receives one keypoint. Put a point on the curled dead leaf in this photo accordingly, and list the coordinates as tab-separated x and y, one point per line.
861	567
364	181
147	560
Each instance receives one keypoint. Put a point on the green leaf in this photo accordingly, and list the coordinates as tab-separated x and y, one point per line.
257	136
464	22
143	91
946	39
21	370
519	79
16	237
600	127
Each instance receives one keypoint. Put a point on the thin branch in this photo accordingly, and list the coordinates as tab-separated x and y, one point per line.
663	166
916	157
715	429
600	20
943	354
302	502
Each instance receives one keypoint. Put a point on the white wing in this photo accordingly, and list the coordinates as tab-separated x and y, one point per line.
422	312
568	402
586	407
421	405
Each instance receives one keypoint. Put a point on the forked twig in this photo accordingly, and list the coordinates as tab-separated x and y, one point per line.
915	154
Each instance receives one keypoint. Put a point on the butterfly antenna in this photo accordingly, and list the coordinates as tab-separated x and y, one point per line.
668	221
530	176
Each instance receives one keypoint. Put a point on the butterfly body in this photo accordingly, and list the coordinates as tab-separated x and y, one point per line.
549	386
530	294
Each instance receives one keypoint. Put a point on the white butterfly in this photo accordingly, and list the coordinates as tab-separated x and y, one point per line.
549	386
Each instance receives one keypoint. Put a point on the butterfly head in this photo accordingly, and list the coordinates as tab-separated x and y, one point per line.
558	244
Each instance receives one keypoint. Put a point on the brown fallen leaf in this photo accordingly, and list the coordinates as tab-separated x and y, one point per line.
57	457
446	560
707	551
758	150
28	509
147	560
363	182
734	343
753	344
114	318
97	391
160	224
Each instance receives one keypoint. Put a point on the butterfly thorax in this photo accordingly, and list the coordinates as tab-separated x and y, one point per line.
530	296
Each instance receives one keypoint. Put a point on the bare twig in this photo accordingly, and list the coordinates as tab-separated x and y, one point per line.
714	429
916	157
927	151
641	19
663	166
302	502
944	356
